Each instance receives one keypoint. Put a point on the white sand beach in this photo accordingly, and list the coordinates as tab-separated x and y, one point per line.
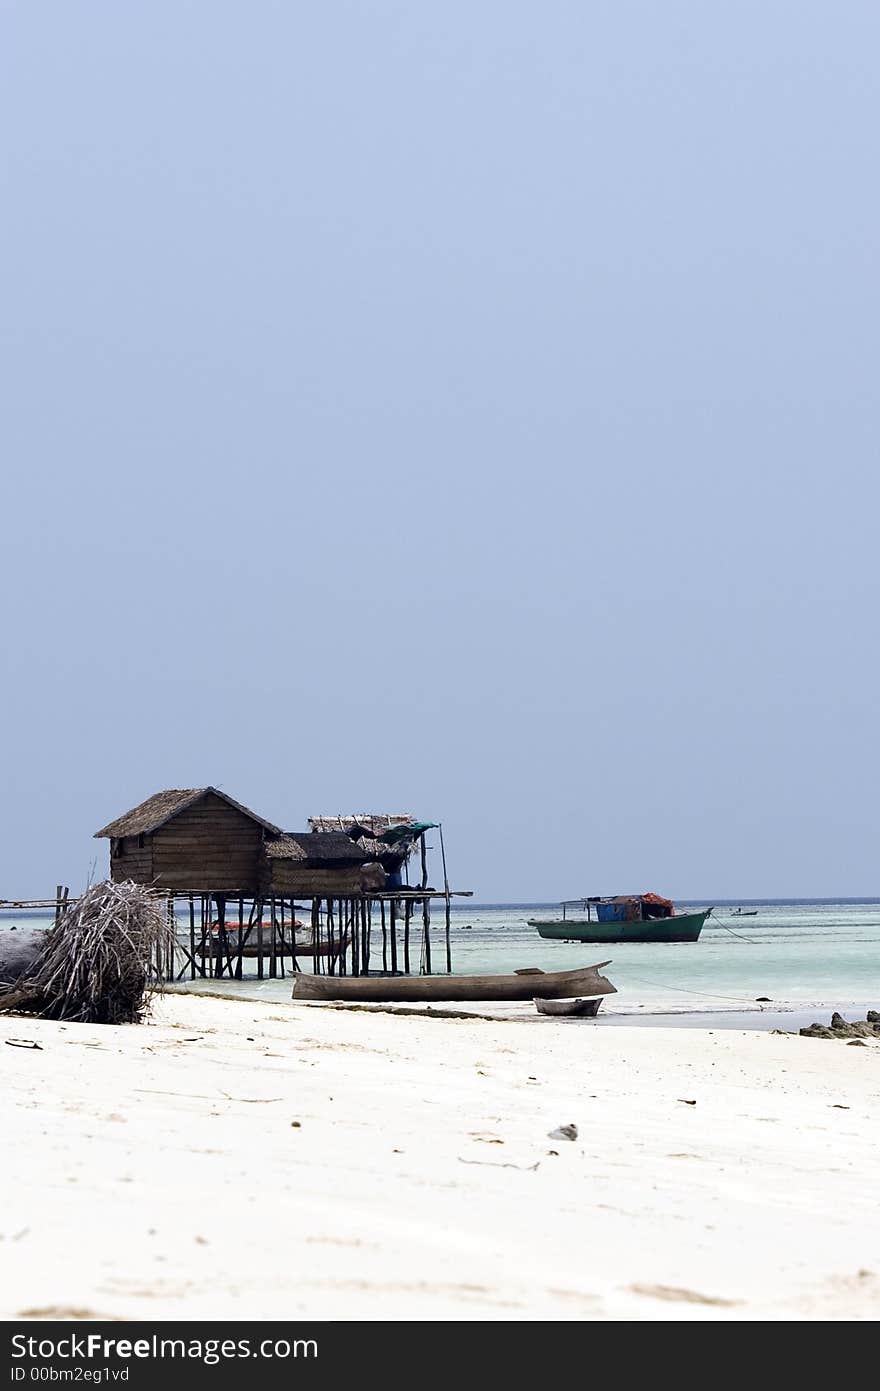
252	1160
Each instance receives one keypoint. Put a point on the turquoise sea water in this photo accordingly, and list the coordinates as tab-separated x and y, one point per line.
811	953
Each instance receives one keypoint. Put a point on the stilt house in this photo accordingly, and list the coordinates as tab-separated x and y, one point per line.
192	839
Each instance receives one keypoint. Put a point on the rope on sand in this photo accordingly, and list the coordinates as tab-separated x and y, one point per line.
703	994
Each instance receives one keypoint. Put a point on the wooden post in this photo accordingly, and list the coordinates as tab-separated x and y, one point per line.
172	943
221	934
207	938
426	934
206	967
273	947
238	959
283	944
192	938
384	936
393	915
355	942
407	914
446	893
257	917
224	955
294	958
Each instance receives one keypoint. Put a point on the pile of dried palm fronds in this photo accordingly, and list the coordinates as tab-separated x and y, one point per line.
98	964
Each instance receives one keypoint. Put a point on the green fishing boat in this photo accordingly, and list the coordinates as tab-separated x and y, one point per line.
625	918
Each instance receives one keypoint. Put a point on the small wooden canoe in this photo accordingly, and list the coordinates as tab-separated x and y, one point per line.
304	949
303	945
584	1009
548	985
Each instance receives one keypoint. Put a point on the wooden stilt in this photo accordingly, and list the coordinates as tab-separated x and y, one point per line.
283	943
208	961
355	942
446	893
257	917
294	958
238	965
273	949
393	915
407	914
384	936
192	938
331	940
221	935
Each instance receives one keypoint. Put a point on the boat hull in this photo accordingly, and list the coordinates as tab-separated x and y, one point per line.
552	985
300	949
683	927
568	1008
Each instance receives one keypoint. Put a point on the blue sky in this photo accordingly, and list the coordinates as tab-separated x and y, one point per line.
468	409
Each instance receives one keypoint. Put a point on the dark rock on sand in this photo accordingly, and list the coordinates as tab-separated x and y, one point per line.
18	951
840	1028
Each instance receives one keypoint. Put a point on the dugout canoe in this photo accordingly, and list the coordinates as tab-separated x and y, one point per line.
579	1008
525	985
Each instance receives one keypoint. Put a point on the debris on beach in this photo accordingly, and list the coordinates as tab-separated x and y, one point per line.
564	1132
840	1028
97	965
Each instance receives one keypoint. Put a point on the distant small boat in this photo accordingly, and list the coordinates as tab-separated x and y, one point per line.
523	985
626	918
744	913
583	1008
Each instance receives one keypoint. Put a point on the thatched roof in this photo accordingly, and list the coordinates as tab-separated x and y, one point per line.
364	827
162	806
316	847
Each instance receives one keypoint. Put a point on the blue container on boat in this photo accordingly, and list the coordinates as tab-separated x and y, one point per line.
611	912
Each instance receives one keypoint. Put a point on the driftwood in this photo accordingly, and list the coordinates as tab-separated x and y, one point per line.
101	960
840	1028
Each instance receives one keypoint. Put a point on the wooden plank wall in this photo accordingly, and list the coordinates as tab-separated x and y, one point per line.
288	877
210	845
135	862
